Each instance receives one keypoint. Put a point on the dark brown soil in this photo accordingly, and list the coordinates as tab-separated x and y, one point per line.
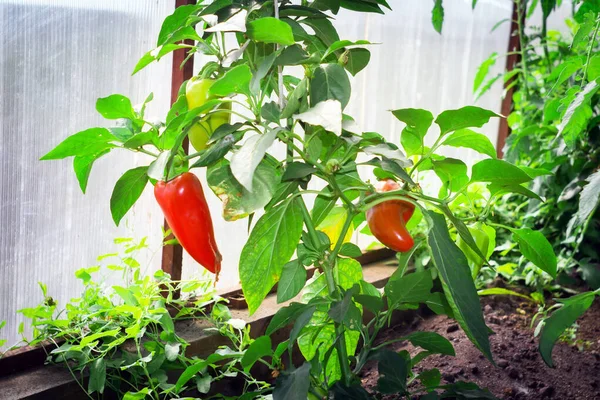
521	373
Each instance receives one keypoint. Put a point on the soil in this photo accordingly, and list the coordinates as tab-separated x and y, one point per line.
520	372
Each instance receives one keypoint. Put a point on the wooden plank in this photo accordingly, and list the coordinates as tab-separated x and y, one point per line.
172	255
512	60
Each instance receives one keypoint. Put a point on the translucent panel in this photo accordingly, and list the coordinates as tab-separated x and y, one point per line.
56	59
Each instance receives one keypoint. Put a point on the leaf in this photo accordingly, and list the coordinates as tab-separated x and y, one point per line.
174	22
483	70
458	284
472	140
411	288
588	202
199	364
85	143
452	173
115	106
466	117
437	16
593	71
155	55
357	60
141	395
238	202
340	44
172	351
560	320
327	114
270	245
577	115
536	248
270	30
417	123
502	291
350	250
432	342
361	5
259	348
82	165
293	279
330	82
127	191
236	80
285	315
246	159
584	30
393	372
297	170
97	375
235	23
498	171
293	385
393	154
293	100
430	378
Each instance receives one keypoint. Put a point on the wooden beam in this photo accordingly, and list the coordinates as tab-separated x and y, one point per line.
172	255
512	60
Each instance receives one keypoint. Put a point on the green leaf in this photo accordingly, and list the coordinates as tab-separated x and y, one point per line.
97	375
285	315
357	60
437	16
85	143
293	385
411	288
417	123
593	71
361	6
340	44
350	250
200	364
127	191
432	342
270	245
293	100
483	70
430	378
297	170
330	82
585	28
293	279
499	172
347	272
259	348
174	22
458	284
270	30
155	55
236	80
560	320
588	202
536	248
82	165
238	202
453	174
393	372
115	106
472	140
502	291
466	117
141	395
270	112
577	115
500	189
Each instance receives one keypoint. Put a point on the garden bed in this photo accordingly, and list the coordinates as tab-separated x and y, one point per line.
520	372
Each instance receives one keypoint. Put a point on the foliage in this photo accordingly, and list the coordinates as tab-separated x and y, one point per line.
304	114
555	135
124	337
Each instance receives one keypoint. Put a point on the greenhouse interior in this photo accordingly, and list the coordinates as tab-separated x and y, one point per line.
300	199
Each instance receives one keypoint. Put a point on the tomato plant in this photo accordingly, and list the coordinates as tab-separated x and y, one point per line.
273	104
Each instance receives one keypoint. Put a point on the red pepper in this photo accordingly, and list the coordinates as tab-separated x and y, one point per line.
186	211
387	220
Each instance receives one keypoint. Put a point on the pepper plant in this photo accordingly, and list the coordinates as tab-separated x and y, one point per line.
286	82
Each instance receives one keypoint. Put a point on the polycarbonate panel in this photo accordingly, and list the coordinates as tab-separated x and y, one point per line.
56	58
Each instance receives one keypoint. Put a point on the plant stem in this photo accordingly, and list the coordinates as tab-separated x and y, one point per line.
520	5
589	53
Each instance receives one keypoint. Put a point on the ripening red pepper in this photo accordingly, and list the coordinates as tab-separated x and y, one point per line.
186	211
387	220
